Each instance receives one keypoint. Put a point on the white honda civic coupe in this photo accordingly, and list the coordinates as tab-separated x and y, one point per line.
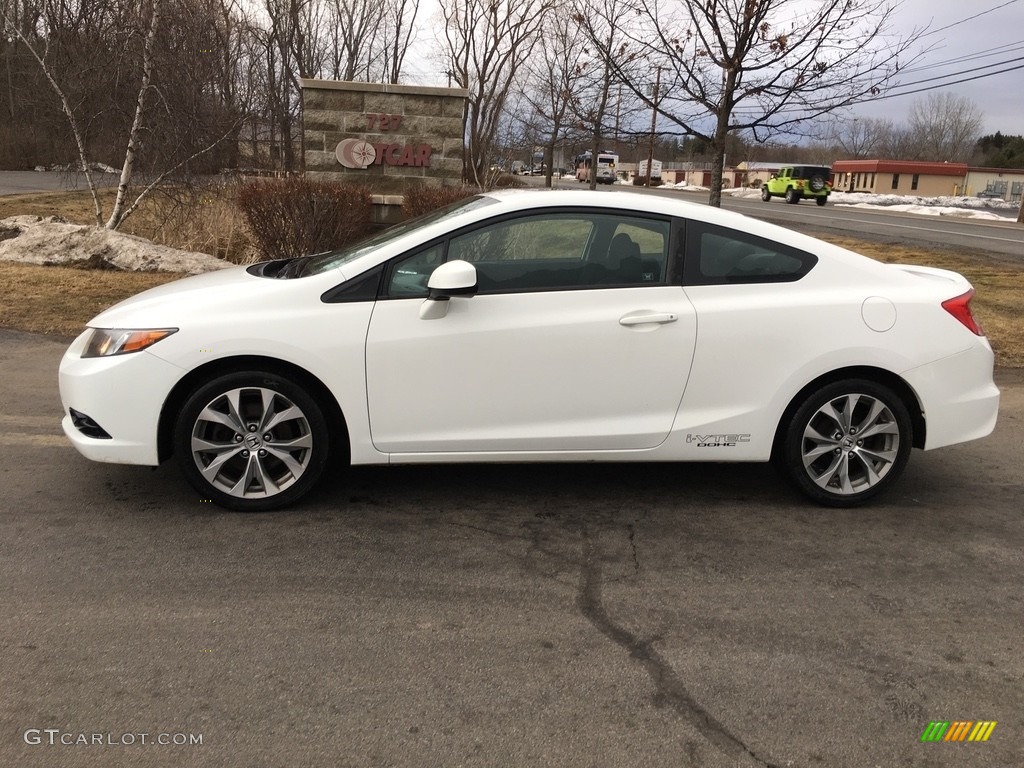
532	327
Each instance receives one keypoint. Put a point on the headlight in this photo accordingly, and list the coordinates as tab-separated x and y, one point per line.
105	342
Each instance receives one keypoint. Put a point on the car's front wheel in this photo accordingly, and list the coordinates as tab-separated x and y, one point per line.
846	442
251	441
765	194
792	196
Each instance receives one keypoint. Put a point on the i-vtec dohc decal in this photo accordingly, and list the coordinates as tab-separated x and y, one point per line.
717	441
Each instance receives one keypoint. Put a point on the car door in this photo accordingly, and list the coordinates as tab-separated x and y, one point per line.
576	340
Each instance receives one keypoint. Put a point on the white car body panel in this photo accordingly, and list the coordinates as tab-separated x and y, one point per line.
525	372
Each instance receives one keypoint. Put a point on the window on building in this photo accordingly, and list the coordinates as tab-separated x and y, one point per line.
895	181
913	180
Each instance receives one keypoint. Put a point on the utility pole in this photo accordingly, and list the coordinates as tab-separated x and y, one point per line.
654	126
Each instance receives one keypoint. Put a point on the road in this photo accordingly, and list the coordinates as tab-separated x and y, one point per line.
21	182
642	615
995	238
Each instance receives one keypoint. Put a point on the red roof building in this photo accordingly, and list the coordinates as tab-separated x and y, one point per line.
899	177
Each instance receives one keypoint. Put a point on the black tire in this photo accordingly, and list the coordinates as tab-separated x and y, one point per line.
821	201
820	451
765	194
817	183
273	434
792	196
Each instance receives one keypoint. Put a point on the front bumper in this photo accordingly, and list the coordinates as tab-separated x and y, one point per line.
122	394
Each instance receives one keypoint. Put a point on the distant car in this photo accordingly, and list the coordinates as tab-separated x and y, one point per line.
991	193
796	182
538	326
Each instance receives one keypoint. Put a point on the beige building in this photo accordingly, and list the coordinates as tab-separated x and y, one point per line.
1004	183
899	177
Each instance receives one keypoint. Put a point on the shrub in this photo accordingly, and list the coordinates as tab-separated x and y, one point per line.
420	199
297	216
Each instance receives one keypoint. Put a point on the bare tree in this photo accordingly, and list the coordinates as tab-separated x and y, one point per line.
601	21
943	127
555	74
765	66
397	35
858	138
486	43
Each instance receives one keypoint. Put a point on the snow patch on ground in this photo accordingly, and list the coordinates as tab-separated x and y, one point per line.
930	210
52	241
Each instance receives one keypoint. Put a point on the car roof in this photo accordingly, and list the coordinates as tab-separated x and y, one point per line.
521	199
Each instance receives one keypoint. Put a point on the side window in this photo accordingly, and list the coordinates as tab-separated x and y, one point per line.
407	277
718	256
565	251
534	238
651	239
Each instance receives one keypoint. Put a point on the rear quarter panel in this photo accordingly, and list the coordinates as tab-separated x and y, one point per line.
758	345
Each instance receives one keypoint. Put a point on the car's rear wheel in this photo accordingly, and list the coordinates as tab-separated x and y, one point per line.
251	441
846	442
792	196
765	194
821	201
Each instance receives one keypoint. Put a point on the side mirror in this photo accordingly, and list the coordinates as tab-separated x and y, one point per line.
453	278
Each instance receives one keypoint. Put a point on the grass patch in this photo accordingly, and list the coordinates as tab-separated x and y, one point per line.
61	300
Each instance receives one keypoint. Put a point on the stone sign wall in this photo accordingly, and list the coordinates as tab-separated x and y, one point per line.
386	136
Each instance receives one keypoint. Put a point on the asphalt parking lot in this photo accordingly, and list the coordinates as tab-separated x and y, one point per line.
634	615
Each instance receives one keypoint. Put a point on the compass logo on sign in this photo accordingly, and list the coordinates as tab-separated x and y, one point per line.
355	153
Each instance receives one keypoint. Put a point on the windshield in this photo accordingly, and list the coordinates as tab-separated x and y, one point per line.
324	262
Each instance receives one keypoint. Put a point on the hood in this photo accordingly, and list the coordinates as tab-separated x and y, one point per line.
171	304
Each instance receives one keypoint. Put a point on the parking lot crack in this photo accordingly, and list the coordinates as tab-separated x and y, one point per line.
670	689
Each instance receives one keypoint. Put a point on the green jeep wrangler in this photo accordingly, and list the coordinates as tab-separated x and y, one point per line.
796	182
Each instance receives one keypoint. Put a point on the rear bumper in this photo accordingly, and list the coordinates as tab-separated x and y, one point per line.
958	396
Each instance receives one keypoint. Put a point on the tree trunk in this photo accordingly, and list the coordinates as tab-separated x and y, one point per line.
117	214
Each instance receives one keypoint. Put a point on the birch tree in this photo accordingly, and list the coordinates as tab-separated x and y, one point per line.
486	43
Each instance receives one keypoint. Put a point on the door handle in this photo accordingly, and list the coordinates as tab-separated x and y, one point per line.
643	318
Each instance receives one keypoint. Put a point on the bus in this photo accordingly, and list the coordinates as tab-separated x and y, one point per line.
606	165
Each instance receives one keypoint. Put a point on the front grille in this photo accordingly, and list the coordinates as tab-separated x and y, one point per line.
87	426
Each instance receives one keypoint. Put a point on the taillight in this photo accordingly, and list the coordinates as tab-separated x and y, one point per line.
960	308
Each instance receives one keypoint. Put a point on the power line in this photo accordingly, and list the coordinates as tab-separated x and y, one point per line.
1000	50
943	85
962	72
969	18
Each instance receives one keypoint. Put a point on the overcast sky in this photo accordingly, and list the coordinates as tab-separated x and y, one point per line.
994	36
966	38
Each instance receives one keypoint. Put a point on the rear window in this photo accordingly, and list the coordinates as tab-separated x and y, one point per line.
720	256
810	171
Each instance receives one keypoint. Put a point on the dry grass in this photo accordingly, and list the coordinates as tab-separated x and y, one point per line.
60	300
203	219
